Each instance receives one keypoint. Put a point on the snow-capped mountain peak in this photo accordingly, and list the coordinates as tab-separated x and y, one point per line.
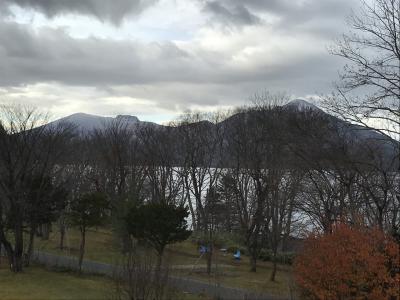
301	105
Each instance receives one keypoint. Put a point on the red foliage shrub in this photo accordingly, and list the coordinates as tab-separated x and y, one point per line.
349	263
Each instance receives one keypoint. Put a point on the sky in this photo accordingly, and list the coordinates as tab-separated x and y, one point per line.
158	58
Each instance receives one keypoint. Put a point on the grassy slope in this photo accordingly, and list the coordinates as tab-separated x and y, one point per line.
101	246
38	283
240	277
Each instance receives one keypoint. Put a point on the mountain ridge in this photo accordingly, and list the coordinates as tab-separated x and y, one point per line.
298	108
88	122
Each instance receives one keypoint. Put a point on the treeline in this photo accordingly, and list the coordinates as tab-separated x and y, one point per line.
264	173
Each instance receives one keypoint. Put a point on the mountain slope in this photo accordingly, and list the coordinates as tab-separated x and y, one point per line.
299	122
86	123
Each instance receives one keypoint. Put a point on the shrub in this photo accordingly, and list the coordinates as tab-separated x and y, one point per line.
282	257
349	263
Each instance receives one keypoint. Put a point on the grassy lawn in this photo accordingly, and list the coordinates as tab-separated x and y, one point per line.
239	277
102	246
38	283
232	273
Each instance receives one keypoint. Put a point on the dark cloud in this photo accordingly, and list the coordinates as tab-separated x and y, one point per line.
285	54
309	14
43	56
290	8
106	10
234	15
28	56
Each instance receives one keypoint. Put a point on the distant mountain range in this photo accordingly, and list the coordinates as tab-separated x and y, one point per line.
358	135
87	122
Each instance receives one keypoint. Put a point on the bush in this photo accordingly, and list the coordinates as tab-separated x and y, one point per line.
140	277
286	258
349	263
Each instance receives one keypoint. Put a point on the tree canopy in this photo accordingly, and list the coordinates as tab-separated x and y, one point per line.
158	224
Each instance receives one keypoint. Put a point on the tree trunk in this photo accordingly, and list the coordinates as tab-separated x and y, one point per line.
18	248
82	248
159	262
209	251
30	246
253	262
274	265
39	231
287	228
18	263
46	231
15	254
192	213
126	241
158	284
209	259
62	236
9	251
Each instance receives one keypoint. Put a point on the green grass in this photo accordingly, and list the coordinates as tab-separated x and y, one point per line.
238	276
232	273
38	283
102	246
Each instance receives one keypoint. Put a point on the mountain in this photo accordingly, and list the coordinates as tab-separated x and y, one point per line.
317	134
86	123
301	105
353	131
321	130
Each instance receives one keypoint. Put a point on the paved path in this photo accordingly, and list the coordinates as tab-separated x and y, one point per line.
181	283
200	267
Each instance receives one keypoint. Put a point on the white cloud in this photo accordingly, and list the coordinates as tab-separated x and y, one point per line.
165	57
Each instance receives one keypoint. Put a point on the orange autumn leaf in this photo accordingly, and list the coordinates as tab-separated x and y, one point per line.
349	263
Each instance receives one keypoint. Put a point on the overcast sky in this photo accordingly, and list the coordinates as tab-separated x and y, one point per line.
157	58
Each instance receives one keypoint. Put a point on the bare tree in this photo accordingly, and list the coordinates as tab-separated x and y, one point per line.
378	185
139	279
27	150
201	137
121	172
260	181
283	191
79	176
247	183
347	179
195	139
372	49
163	182
369	90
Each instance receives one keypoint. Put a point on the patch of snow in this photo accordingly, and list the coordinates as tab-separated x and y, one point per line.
301	105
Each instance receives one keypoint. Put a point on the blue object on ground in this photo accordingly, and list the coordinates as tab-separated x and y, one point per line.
237	255
203	249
